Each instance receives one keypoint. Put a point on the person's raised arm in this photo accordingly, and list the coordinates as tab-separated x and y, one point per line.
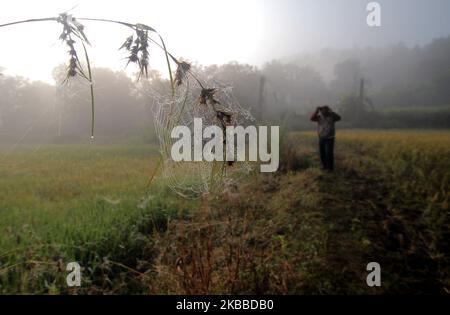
336	117
314	116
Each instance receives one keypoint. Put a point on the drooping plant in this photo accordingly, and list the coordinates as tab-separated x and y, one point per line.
137	46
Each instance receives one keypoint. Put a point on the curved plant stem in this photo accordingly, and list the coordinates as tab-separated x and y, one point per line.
157	167
184	103
91	83
110	21
161	46
29	21
172	84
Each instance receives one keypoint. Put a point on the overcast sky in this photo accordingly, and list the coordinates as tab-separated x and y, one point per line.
214	31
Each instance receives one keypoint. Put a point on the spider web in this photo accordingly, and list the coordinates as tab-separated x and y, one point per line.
194	179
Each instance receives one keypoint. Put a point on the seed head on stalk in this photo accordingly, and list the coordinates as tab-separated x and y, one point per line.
182	70
137	45
207	96
73	29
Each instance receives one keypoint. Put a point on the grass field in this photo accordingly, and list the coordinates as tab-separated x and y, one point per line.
73	203
301	231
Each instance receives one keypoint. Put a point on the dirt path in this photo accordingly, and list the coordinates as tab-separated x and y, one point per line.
348	244
362	229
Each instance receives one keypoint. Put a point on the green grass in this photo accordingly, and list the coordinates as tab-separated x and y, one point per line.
73	203
57	191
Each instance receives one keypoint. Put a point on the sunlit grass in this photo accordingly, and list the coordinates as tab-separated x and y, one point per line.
76	203
71	194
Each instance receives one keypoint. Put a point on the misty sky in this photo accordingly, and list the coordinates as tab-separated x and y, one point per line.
214	31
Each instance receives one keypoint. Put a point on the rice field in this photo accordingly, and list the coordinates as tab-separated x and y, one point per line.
301	231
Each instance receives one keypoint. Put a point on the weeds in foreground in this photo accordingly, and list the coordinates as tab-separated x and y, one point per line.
239	243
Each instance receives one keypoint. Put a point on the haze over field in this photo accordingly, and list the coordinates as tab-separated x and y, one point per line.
216	32
309	52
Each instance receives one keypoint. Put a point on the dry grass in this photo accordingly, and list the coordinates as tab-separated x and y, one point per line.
310	232
238	242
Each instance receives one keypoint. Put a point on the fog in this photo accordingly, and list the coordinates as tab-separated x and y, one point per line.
283	58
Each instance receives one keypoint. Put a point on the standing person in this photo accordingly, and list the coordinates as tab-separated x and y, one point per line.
325	119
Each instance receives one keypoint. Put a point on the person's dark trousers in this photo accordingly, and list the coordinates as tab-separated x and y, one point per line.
326	147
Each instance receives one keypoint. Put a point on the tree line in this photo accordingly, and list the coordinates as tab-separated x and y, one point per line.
407	87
